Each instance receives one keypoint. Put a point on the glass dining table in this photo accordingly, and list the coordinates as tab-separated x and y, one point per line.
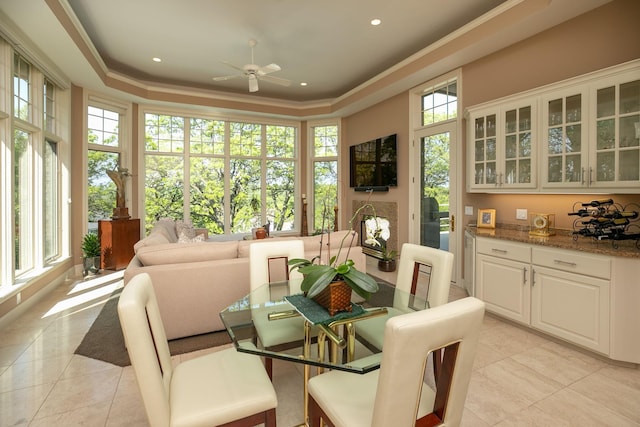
319	340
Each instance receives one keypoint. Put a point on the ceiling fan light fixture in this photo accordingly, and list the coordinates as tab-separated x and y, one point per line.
253	83
253	72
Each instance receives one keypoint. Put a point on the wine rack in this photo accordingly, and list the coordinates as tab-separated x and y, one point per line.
606	220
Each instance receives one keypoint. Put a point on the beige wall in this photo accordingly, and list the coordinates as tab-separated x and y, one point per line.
78	182
603	37
385	118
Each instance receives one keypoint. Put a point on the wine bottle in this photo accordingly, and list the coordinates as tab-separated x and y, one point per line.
596	203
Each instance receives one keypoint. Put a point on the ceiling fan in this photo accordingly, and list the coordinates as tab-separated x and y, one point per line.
254	72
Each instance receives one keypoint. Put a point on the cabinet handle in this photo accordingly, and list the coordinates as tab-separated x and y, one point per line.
590	175
524	276
567	263
500	251
533	277
582	177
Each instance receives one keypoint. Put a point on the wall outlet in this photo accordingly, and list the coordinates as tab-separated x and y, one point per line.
521	214
468	210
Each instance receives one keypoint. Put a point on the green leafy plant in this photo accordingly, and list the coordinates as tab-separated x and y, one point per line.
318	276
91	245
388	255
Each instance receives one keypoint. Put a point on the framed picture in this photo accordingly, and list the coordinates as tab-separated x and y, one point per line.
486	218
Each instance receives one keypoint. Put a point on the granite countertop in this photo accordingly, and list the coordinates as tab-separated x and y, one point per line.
563	239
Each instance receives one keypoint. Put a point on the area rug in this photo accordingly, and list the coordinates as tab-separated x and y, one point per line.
104	340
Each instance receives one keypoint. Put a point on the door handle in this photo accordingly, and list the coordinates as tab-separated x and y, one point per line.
453	223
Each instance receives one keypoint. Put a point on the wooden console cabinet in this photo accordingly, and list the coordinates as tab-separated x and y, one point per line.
117	238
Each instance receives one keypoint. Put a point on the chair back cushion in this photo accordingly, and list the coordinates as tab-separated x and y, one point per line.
441	263
147	345
268	261
408	339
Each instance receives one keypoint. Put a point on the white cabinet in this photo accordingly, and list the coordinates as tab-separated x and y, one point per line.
502	278
587	299
501	154
570	296
586	136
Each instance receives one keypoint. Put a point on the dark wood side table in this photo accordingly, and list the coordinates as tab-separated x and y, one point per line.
117	237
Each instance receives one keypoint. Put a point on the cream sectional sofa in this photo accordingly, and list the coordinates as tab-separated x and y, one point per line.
194	281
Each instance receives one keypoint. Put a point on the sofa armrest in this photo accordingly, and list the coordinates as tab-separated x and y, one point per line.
191	295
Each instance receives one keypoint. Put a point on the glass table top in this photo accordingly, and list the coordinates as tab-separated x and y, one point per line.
265	323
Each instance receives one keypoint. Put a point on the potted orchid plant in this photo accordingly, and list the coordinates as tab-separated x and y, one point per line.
378	234
318	276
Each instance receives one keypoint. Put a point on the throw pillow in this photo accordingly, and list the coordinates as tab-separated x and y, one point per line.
183	238
169	226
186	228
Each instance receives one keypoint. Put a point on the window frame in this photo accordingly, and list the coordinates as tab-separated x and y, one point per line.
41	95
121	149
227	156
312	160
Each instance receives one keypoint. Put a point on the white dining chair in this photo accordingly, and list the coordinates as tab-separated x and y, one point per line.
419	266
221	388
268	264
396	394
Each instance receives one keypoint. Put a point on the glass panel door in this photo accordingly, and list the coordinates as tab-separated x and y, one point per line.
435	189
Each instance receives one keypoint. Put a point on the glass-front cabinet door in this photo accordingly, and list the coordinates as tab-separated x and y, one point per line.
502	148
485	154
565	148
615	154
518	152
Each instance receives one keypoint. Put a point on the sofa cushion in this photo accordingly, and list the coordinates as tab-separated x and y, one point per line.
173	253
312	243
243	245
157	238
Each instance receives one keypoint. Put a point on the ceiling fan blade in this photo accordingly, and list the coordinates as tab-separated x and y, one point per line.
235	67
253	83
276	80
223	78
268	69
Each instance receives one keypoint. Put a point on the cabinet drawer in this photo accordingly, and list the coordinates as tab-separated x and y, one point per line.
575	262
504	249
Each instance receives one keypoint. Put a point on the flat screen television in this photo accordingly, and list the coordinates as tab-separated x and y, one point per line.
374	164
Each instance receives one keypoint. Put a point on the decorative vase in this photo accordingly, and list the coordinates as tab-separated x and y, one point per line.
335	298
387	265
261	233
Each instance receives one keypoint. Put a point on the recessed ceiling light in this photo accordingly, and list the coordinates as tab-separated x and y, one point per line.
376	22
303	84
156	59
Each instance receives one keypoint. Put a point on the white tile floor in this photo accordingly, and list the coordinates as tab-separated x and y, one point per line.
519	379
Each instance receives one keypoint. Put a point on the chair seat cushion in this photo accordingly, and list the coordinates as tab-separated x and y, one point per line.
218	388
348	398
372	330
281	331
